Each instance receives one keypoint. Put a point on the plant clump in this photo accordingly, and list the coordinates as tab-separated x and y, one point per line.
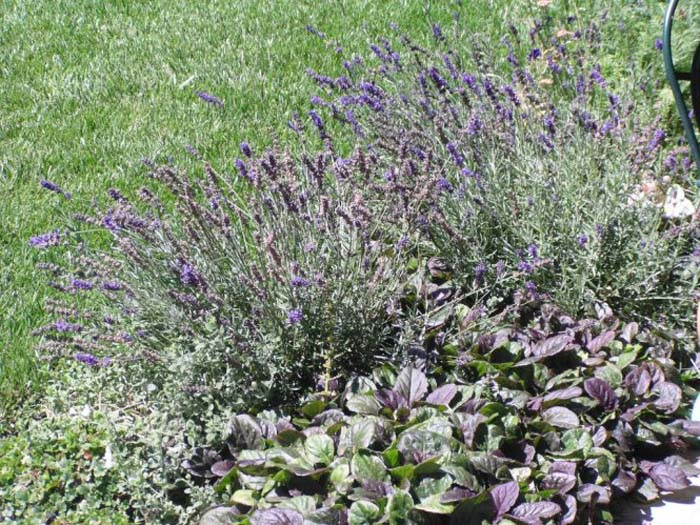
271	278
531	170
534	423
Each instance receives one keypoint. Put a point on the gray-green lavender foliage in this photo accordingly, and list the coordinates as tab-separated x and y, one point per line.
531	172
262	283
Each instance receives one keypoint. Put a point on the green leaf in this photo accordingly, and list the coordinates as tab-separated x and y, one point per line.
363	513
229	480
400	505
474	511
427	467
340	477
356	436
392	457
364	465
433	506
304	504
577	439
290	436
609	373
432	486
363	404
313	408
626	359
403	472
245	497
462	477
560	417
649	491
320	448
423	444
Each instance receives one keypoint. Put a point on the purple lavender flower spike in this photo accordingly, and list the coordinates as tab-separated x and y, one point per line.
294	316
475	125
657	139
545	141
62	326
189	148
526	267
437	79
317	120
210	99
88	359
300	282
553	66
245	149
111	286
659	44
52	186
437	33
311	29
188	275
532	251
597	77
534	54
582	240
46	240
531	288
456	156
81	284
443	185
479	272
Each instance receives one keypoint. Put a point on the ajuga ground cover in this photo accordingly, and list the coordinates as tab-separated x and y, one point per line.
463	292
545	420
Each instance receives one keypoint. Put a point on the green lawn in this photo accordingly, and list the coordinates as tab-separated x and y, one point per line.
89	88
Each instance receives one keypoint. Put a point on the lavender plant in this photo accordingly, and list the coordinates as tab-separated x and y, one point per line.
532	172
263	282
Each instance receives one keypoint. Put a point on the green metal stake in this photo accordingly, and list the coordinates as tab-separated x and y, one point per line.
673	76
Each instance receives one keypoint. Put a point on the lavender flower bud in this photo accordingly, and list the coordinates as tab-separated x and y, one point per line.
437	33
80	284
62	326
210	99
311	29
657	139
443	185
51	186
479	272
294	316
534	54
245	149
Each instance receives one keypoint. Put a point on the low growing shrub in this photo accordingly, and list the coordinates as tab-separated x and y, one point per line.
261	284
531	172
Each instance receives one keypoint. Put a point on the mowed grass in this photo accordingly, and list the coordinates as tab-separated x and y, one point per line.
88	88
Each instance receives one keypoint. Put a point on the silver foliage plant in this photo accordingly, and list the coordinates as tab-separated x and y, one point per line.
261	283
